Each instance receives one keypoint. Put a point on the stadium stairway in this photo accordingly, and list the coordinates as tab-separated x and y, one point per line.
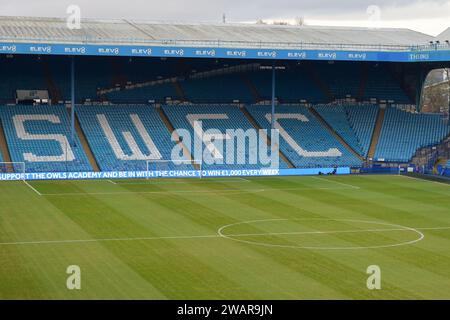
304	139
219	118
4	151
85	145
39	136
403	133
127	137
376	133
269	142
171	129
53	89
316	78
364	81
362	119
340	129
254	91
179	90
118	76
440	163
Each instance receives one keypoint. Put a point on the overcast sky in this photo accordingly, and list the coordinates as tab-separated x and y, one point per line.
428	16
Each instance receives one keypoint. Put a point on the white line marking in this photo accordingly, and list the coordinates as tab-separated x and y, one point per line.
421	236
329	232
110	181
231	191
199	181
108	239
211	236
32	188
425	180
341	183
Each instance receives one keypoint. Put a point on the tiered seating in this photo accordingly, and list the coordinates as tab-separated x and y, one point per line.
157	93
39	136
343	78
20	72
223	89
362	120
336	117
220	117
381	85
292	86
91	73
125	137
303	139
403	133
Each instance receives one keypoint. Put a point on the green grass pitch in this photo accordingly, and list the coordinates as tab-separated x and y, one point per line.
255	238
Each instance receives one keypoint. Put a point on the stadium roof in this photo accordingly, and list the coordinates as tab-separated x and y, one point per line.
55	30
444	35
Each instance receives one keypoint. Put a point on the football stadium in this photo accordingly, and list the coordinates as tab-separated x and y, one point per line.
158	160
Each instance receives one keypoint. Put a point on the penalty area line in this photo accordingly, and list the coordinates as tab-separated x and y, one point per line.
337	182
425	180
32	188
217	192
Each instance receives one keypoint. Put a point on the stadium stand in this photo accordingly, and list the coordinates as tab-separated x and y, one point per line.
382	86
127	79
39	136
220	117
336	117
362	121
347	79
87	78
157	93
161	79
222	89
21	73
125	137
343	78
303	139
403	133
292	86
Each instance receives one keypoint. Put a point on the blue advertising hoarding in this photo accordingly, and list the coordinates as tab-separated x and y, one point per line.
169	174
236	53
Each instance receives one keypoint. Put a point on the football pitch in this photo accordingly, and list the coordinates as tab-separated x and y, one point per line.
234	238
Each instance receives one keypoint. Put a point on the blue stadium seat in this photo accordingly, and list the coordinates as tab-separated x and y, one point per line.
382	86
342	78
403	133
362	120
221	117
125	137
218	89
39	136
292	86
336	117
158	93
309	144
20	72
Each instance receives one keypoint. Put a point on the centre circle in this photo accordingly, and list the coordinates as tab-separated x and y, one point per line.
319	232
